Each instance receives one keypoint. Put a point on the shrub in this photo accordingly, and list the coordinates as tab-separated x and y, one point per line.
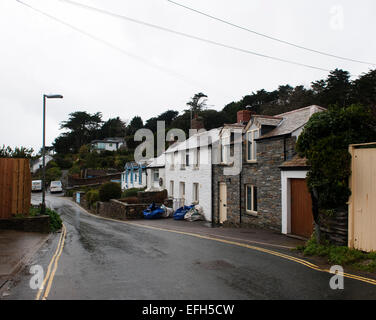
132	192
325	141
92	196
55	220
109	190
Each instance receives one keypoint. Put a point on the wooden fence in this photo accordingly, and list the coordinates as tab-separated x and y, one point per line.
362	203
15	187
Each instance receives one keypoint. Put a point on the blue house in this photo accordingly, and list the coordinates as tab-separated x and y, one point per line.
134	175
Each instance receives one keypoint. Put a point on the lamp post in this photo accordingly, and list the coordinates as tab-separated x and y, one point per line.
53	96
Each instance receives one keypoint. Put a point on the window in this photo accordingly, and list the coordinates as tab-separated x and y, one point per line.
195	197
252	145
197	157
187	159
171	188
251	198
156	175
182	190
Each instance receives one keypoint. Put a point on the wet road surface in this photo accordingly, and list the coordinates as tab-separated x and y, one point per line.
104	259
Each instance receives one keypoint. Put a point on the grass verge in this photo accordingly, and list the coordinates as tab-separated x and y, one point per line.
342	256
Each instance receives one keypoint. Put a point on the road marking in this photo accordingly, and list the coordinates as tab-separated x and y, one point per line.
55	259
239	244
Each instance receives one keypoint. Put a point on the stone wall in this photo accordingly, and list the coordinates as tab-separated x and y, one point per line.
265	175
74	181
119	210
335	228
27	224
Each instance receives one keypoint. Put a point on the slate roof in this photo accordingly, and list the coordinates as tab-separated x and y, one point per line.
295	162
197	140
158	162
292	121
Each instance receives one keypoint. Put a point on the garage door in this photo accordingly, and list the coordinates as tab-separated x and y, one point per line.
301	209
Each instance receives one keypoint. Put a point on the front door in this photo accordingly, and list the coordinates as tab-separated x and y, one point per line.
301	209
222	202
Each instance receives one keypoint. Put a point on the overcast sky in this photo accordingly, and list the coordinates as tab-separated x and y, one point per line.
154	71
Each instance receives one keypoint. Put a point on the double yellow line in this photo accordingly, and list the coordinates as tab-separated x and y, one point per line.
48	279
244	245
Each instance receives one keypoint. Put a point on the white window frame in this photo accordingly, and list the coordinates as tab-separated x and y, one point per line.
156	171
182	190
196	192
253	145
172	188
250	211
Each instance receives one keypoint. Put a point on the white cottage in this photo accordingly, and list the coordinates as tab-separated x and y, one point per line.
156	180
188	170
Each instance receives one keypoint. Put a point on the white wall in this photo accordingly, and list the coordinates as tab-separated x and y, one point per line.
154	185
286	177
190	175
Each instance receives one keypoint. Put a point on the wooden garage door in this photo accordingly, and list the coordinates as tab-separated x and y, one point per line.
301	209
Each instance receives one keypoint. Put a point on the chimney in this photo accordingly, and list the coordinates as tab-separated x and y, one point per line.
197	123
244	116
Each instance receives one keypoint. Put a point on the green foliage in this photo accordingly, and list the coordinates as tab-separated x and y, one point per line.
109	190
132	192
53	174
92	196
55	220
338	255
18	152
325	141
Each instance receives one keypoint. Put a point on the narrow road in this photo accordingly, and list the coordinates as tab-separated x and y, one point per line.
104	259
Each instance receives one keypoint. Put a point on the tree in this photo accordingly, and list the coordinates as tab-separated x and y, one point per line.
82	128
197	103
324	142
113	127
18	152
135	124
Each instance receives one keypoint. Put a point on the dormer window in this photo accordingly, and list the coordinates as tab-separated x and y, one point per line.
252	145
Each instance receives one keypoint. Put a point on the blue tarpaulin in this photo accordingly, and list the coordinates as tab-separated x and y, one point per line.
153	212
180	213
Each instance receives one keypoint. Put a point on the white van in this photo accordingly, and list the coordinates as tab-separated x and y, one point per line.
36	185
56	186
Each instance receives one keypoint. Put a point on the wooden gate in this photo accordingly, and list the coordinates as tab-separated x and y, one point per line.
362	203
301	209
15	187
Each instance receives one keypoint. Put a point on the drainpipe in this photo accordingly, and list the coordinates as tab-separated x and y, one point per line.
240	197
212	188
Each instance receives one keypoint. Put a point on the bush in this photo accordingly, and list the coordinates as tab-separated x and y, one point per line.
92	196
55	220
132	192
343	256
109	190
325	141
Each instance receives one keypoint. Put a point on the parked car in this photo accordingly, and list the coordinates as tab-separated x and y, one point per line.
56	186
36	185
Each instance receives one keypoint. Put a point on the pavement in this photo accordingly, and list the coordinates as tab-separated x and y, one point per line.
16	249
261	237
104	259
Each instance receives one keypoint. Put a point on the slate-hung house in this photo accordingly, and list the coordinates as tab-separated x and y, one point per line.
254	197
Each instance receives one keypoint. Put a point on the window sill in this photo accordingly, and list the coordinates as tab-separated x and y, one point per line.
251	213
251	161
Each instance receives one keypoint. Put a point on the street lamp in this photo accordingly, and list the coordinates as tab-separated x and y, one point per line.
45	96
